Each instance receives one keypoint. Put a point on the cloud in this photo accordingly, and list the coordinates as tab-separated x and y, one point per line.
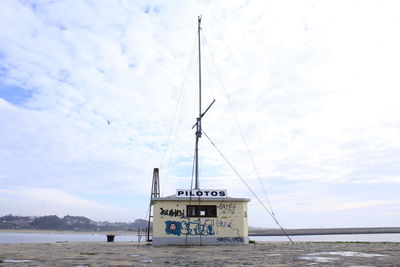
314	88
42	201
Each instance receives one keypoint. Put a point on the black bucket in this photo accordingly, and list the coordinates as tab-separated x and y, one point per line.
110	238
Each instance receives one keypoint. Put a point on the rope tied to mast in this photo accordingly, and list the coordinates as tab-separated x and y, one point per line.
248	187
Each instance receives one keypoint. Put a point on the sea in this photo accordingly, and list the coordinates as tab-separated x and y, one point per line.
10	237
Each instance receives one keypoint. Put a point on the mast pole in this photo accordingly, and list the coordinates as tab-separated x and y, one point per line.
199	30
198	127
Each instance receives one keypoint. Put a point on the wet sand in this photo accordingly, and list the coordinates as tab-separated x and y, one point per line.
260	254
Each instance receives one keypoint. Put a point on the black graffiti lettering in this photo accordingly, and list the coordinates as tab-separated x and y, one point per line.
221	193
199	193
180	193
214	194
224	224
172	212
206	193
236	239
227	208
223	239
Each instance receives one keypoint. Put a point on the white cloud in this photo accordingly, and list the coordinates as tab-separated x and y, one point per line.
313	84
41	201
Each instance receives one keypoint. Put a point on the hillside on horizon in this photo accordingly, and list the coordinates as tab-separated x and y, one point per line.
75	223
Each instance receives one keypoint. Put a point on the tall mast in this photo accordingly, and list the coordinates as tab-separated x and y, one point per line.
198	122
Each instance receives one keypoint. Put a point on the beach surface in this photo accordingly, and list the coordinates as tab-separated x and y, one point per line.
260	254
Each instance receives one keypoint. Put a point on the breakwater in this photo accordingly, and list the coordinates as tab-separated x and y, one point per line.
325	231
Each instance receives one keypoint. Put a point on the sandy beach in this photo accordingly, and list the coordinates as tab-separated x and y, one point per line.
260	254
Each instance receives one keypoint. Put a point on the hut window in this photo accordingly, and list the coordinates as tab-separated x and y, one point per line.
201	211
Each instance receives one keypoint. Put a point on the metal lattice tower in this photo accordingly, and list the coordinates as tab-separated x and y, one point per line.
155	193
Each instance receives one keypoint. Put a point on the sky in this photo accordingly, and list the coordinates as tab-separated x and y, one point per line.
309	88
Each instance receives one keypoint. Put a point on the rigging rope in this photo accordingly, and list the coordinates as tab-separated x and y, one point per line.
240	129
248	187
190	198
191	181
174	129
182	94
178	109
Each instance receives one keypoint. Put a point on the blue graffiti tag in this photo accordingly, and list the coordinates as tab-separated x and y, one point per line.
190	228
173	228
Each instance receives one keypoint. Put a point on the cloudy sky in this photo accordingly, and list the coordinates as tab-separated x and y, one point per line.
314	86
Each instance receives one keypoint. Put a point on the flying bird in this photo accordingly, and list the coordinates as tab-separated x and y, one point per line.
108	122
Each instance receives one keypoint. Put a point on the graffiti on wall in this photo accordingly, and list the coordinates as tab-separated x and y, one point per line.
236	239
172	212
224	224
190	228
225	208
227	225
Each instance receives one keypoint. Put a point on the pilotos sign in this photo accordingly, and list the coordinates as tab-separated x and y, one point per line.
201	193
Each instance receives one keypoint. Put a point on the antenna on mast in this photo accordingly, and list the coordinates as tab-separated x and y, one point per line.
198	120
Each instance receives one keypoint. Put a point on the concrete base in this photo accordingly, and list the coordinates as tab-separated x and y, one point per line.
200	241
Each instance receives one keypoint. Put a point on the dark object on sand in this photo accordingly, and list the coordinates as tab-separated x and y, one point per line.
110	238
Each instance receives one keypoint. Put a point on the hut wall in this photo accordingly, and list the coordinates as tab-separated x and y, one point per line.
172	226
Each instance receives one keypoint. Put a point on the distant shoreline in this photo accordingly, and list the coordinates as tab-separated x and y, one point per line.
34	231
325	231
252	232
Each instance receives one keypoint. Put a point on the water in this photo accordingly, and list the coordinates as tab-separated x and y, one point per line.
62	237
332	238
82	237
